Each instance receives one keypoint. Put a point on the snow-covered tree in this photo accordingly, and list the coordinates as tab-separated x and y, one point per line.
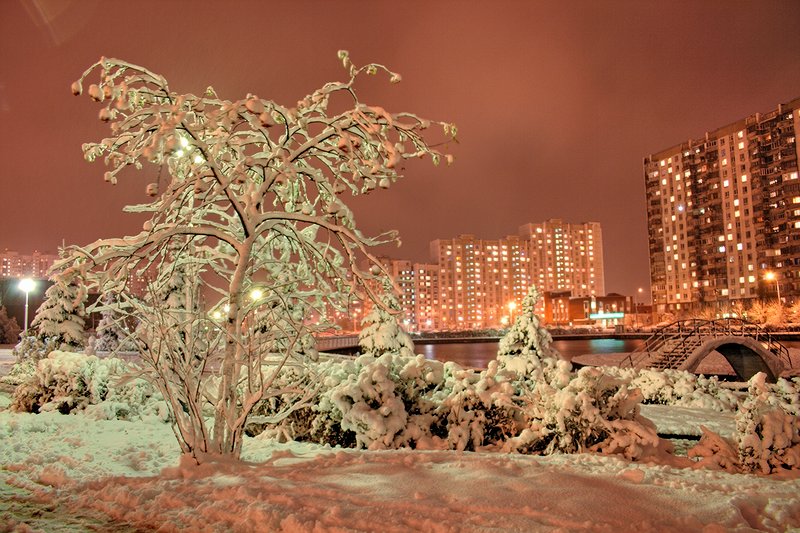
793	313
112	333
526	336
249	201
9	329
381	331
62	315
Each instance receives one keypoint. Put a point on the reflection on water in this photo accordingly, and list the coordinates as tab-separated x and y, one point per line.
478	354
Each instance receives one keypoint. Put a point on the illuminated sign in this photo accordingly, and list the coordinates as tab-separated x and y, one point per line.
602	316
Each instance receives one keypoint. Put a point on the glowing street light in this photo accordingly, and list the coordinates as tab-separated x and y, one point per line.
256	294
26	285
511	307
772	276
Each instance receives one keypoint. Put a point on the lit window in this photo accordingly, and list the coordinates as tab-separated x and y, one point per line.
722	249
740	134
726	183
741	146
744	178
739	246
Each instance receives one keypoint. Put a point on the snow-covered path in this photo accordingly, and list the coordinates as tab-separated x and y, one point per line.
100	475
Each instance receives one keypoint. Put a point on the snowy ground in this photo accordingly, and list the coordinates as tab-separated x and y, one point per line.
71	473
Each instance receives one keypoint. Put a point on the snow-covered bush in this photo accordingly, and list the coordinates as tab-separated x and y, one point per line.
381	331
715	452
28	352
368	402
104	388
515	405
678	387
526	401
570	412
767	436
768	426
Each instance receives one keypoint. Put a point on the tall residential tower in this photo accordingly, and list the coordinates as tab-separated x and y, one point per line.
723	211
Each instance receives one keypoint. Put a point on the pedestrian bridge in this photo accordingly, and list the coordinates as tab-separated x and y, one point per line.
684	344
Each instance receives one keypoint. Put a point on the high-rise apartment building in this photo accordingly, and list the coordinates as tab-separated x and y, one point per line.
16	265
724	210
482	282
418	285
566	256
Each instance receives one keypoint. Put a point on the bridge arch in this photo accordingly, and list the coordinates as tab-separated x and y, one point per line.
685	343
746	356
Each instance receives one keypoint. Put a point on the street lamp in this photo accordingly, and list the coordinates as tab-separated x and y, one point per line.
770	276
26	285
636	307
511	307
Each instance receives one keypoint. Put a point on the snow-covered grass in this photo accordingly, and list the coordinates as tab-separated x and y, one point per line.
72	473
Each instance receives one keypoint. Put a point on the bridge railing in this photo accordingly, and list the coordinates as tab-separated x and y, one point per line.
333	343
683	330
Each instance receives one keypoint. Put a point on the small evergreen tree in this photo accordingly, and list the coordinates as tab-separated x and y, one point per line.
62	316
9	329
527	336
381	332
112	331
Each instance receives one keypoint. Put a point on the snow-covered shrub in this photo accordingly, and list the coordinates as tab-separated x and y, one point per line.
767	436
768	426
526	401
28	352
715	452
381	331
516	405
570	412
380	402
678	387
68	381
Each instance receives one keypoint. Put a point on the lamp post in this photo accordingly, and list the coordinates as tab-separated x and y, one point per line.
770	276
511	307
636	307
26	285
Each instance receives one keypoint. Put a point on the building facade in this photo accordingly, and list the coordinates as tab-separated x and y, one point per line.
16	265
476	283
723	211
